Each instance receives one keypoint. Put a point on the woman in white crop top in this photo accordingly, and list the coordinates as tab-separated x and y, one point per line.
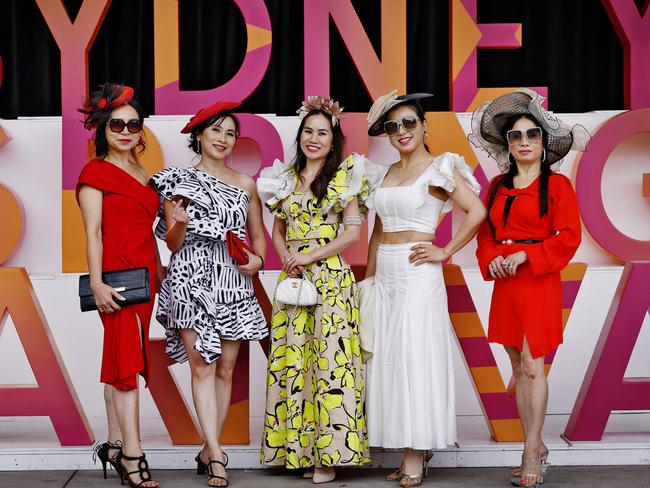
410	385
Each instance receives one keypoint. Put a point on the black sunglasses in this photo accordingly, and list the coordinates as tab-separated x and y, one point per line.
533	135
409	122
117	125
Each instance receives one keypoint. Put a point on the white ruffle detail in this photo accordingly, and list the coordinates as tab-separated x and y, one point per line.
358	169
441	174
276	183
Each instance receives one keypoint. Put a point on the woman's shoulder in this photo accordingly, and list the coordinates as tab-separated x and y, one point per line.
559	183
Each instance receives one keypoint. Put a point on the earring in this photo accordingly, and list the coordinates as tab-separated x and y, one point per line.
198	143
511	159
332	149
543	155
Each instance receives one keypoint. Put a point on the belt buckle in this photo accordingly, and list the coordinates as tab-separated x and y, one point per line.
507	241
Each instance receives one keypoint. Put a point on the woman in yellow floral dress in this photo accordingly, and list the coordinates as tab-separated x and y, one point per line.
315	414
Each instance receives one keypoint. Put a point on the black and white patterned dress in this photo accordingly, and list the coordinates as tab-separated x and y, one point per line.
204	289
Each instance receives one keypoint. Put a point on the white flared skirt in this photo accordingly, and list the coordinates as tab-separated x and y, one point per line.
410	394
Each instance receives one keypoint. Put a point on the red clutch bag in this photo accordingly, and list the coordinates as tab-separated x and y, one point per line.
236	248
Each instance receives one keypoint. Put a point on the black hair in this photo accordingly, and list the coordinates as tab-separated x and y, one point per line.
98	112
195	145
507	180
419	112
332	160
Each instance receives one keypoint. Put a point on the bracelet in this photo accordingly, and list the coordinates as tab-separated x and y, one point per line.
352	220
261	259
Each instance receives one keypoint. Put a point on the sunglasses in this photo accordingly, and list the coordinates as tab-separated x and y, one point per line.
409	122
532	135
117	125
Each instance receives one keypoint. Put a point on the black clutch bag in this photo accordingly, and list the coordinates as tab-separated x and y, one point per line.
132	284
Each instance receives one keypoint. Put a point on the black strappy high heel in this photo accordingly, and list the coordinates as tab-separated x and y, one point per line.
211	474
202	468
101	452
143	470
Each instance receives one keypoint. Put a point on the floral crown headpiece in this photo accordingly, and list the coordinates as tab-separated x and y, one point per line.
327	105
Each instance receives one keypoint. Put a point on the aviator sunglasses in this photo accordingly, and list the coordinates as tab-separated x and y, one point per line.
117	125
533	135
409	122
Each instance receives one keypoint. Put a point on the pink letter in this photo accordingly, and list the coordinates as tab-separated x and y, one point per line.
633	29
379	76
466	37
169	97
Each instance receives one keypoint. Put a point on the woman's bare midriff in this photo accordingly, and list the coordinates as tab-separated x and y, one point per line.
405	236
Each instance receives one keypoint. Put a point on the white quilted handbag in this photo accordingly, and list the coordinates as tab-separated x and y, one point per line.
296	291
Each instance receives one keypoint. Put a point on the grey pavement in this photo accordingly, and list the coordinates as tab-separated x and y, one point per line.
581	476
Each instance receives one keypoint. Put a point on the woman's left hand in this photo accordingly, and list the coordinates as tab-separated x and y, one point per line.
511	262
253	265
427	253
294	261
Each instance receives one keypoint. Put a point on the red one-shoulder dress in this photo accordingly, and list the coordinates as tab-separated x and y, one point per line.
530	303
128	211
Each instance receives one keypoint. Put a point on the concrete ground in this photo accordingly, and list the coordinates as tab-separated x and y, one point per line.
574	477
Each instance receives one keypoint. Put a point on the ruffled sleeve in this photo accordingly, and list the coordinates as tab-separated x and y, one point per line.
441	174
357	177
179	182
204	218
274	184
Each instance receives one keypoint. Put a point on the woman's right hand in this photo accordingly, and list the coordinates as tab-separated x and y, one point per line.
179	214
104	295
496	268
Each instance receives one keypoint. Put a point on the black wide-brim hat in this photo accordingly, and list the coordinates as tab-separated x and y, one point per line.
489	120
385	104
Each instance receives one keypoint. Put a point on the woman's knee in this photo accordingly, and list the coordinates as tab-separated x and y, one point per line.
531	368
202	370
225	368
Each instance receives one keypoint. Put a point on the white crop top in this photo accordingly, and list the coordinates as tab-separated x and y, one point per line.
411	207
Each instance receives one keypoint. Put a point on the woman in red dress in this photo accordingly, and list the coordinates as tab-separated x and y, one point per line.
532	231
118	209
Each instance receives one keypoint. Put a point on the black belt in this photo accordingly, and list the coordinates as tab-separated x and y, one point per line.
521	241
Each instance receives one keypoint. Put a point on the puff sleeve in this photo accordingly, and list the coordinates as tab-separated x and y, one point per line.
442	175
555	252
357	177
274	184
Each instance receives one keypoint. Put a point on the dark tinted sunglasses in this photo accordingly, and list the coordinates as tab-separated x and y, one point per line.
117	125
533	135
409	122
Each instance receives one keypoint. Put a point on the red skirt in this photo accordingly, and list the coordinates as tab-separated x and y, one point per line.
528	306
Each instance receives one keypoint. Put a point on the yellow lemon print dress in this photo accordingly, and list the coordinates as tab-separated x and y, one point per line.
315	413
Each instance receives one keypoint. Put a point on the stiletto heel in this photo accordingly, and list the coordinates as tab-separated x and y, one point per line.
101	452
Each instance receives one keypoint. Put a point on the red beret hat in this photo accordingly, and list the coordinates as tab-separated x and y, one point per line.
206	113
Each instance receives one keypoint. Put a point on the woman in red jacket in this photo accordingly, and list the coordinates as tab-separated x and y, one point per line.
118	209
531	233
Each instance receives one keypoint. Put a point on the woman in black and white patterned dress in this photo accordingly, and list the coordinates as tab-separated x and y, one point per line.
207	303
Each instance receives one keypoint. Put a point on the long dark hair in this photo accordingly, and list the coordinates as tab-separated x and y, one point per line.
97	110
332	160
195	145
507	180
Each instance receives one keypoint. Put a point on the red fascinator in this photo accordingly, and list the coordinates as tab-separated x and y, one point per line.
100	103
206	113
